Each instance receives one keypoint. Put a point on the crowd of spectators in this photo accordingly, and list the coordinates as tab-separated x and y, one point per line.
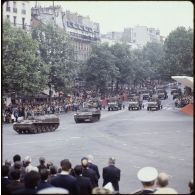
23	177
12	112
183	100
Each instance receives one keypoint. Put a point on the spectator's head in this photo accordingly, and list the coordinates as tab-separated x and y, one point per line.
8	163
165	190
42	160
66	165
53	190
90	158
16	157
78	170
111	161
31	179
163	180
17	164
84	162
147	176
101	190
15	174
191	185
27	160
44	173
5	170
31	168
53	170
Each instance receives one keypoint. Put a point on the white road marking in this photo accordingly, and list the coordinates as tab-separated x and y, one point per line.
75	137
172	157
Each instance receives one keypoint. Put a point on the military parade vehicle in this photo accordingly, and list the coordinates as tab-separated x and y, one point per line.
145	94
176	94
37	124
114	104
88	112
175	89
162	94
154	103
135	103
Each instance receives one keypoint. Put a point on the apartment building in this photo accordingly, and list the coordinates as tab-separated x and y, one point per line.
135	37
82	30
18	13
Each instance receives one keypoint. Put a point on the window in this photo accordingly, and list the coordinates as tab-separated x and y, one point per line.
14	20
23	8
23	23
7	6
14	4
23	5
8	17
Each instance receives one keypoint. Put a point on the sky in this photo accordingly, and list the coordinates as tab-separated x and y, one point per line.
117	15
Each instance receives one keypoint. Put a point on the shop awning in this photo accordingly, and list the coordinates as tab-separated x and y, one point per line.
185	80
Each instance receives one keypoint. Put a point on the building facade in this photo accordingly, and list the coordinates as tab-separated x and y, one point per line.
18	13
135	37
81	30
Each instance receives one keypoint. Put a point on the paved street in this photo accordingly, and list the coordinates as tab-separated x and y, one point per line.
163	139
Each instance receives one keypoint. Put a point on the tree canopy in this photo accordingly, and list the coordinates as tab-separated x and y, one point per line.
56	50
23	70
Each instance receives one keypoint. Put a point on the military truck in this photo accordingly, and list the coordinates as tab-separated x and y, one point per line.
154	103
175	90
114	105
176	94
135	103
145	94
91	114
37	124
162	94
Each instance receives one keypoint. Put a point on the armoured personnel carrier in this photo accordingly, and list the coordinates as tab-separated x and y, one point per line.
37	124
154	104
91	114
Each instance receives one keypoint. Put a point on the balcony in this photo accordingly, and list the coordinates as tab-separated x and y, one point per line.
8	9
23	11
15	10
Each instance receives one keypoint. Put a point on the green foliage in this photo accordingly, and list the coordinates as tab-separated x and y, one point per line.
23	71
153	59
178	49
56	50
100	69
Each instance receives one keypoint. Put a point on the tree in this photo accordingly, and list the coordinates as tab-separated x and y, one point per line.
56	50
23	70
100	69
123	63
178	49
153	55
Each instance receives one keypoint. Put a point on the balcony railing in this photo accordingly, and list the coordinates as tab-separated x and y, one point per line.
15	10
8	9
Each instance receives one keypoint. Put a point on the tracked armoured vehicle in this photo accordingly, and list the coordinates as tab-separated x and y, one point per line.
37	124
87	114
